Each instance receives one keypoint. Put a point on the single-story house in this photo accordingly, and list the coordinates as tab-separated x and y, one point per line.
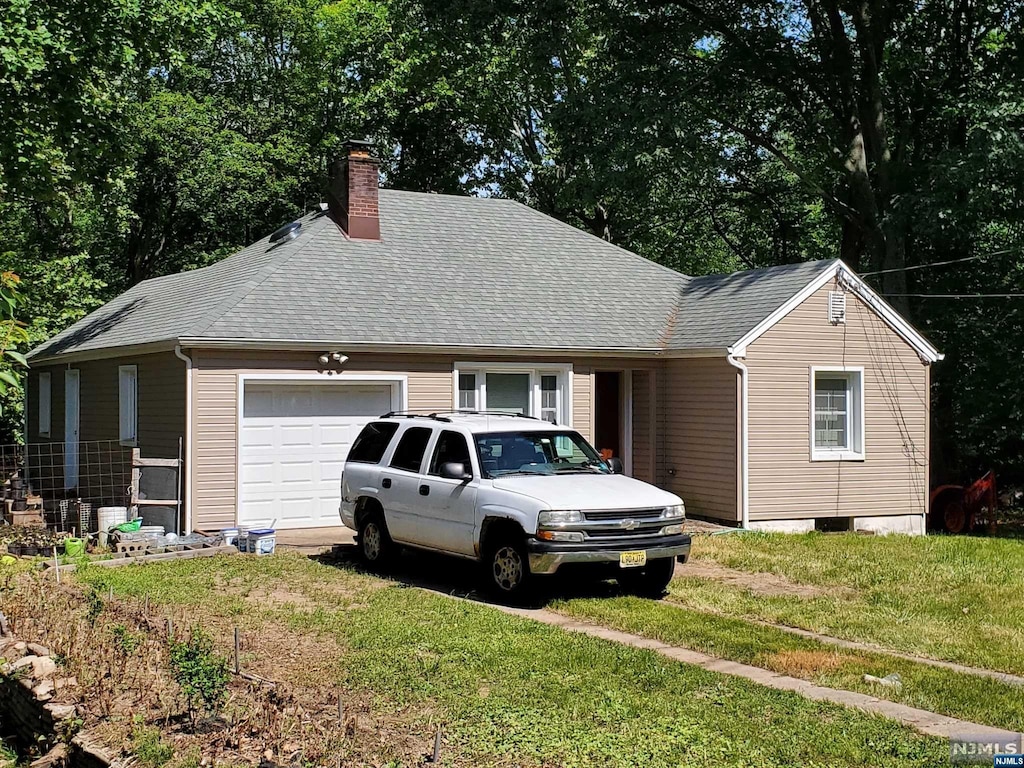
775	398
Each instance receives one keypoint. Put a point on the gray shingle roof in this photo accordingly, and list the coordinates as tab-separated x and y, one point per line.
447	271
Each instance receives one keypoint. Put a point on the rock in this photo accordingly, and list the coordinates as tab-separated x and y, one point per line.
25	661
38	650
43	666
20	646
60	711
889	681
62	683
44	689
56	756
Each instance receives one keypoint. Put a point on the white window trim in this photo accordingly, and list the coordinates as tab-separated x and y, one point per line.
855	420
131	439
535	371
45	404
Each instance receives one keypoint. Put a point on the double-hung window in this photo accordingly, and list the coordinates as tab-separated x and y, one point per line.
837	414
128	404
540	391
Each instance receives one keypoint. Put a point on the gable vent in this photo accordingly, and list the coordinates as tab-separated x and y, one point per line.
836	307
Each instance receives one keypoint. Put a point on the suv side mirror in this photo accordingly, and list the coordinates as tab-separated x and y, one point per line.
455	470
616	466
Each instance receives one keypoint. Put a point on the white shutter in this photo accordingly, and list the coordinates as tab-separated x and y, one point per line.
836	307
44	404
128	390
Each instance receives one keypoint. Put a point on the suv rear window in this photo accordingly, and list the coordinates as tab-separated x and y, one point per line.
409	453
372	442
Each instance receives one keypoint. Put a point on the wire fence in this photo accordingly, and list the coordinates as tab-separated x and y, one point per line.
66	482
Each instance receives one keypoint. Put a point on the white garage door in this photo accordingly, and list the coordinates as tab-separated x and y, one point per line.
293	443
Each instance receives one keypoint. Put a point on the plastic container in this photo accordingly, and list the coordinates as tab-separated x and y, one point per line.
243	538
108	517
261	541
151	530
230	536
74	547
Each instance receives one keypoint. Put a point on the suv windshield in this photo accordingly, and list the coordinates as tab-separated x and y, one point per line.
537	453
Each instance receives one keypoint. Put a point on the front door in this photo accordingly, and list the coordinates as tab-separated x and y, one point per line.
71	426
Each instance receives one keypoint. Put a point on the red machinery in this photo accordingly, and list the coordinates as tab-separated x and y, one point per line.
955	509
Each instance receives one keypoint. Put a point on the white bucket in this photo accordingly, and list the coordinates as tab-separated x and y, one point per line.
243	538
230	536
262	541
108	517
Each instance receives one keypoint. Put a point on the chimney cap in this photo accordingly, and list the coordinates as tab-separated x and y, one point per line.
359	144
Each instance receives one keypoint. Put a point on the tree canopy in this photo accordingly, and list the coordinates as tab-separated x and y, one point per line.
150	136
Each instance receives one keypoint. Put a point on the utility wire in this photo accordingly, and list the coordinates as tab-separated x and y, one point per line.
958	295
938	264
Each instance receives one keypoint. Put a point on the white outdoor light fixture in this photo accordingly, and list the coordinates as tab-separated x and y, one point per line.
324	359
328	357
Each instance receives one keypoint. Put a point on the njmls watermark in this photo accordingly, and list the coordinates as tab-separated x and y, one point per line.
983	749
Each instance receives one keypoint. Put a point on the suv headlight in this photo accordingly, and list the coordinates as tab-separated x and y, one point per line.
559	517
675	512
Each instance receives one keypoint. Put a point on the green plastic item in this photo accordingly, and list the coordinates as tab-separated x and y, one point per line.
74	547
131	526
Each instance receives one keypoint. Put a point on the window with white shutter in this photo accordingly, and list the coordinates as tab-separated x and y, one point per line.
128	399
837	414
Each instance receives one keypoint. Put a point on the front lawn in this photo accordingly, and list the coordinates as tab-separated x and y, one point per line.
507	690
955	598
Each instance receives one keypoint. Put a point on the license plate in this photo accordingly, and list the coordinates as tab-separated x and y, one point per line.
633	559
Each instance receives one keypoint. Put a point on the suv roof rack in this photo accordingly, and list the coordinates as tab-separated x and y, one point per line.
411	415
485	413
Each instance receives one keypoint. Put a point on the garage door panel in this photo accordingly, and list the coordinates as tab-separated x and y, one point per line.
293	441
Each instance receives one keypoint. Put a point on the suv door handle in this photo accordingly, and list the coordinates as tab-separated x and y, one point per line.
385	483
424	490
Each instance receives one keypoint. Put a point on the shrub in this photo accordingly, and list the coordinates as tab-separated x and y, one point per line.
201	673
149	748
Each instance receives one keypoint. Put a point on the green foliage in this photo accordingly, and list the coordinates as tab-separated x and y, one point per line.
93	605
201	673
149	749
126	642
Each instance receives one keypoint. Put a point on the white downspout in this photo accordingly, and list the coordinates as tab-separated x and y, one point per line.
737	363
187	500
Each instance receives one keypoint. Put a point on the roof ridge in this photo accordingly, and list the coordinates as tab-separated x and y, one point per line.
235	297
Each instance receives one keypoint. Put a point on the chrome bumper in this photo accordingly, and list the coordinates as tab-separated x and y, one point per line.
546	558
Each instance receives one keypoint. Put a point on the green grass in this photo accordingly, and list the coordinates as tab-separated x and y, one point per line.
515	692
967	697
954	598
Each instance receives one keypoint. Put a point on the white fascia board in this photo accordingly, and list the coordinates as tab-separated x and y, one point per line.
850	280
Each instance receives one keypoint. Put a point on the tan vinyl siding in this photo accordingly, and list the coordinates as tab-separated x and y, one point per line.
698	402
583	400
643	434
784	482
215	417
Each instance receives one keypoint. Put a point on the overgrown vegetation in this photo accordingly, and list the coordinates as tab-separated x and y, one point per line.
507	691
158	135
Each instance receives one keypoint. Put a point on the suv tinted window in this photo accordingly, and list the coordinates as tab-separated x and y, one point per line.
451	446
372	442
409	453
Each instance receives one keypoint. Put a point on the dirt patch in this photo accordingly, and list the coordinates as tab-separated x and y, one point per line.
279	596
804	664
767	584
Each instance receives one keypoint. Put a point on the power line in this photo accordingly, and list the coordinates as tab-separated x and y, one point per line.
940	263
957	295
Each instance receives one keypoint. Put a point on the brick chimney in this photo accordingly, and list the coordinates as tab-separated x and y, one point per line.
352	193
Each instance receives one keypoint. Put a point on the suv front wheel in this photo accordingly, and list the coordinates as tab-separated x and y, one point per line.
507	569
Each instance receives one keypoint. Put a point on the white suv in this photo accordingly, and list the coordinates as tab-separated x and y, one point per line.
520	495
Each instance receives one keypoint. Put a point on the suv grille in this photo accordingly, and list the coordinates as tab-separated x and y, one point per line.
642	530
622	514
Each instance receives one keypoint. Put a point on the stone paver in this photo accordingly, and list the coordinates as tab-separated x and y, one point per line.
926	722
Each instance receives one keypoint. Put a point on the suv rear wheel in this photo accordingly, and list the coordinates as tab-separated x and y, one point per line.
375	544
649	581
507	568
